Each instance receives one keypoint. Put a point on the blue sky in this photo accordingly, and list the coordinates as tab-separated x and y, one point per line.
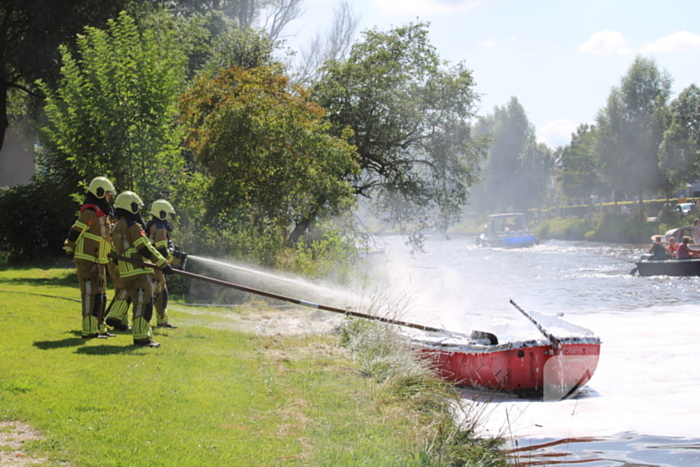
560	58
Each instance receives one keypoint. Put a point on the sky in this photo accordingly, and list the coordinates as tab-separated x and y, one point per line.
560	58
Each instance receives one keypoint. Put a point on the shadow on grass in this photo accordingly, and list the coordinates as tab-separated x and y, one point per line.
59	344
107	350
91	350
78	341
68	280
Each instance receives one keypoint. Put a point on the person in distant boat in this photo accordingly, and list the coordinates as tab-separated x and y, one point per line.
657	250
672	248
684	251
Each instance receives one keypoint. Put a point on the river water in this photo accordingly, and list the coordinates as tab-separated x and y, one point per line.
642	406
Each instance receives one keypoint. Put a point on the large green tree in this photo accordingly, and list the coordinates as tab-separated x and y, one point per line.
580	176
114	112
680	149
410	116
630	130
269	159
517	167
30	33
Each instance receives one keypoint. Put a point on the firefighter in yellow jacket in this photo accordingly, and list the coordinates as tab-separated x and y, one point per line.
158	230
89	241
130	241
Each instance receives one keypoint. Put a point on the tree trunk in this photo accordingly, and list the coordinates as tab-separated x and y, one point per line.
305	224
298	231
4	122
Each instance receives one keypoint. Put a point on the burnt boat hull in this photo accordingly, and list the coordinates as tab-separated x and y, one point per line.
671	267
530	368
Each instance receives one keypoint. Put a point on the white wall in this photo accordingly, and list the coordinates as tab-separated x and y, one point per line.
16	160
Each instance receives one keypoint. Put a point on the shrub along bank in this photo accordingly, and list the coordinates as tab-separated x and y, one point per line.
214	395
606	227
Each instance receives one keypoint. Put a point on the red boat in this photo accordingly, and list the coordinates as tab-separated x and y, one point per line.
525	368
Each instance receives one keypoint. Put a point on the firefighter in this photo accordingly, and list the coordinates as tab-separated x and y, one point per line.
130	241
159	229
89	241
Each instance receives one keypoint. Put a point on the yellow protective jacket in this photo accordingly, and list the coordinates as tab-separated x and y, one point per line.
94	239
130	240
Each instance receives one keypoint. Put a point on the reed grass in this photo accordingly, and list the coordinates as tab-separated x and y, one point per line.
447	433
210	395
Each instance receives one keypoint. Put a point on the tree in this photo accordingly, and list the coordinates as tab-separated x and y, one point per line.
517	167
680	150
30	33
630	130
409	114
244	48
334	45
580	176
267	153
114	112
272	15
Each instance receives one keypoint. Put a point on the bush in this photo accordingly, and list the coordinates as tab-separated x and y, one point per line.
605	227
564	228
34	221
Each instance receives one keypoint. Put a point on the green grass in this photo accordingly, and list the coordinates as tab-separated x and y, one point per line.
209	396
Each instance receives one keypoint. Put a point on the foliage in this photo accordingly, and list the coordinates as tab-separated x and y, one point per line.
564	228
244	48
409	117
114	111
327	252
630	129
606	227
274	15
29	38
267	155
195	32
517	167
31	226
680	149
580	176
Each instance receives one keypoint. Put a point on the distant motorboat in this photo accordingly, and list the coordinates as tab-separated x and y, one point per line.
507	231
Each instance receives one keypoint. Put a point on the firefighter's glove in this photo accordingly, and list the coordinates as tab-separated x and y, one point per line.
167	270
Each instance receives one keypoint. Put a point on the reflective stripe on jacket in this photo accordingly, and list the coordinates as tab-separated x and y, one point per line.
128	238
94	242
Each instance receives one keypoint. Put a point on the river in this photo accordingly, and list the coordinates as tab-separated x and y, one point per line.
641	408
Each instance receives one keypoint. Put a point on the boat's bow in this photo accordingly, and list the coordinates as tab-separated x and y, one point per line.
528	367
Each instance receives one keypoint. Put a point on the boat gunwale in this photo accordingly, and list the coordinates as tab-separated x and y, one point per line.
476	348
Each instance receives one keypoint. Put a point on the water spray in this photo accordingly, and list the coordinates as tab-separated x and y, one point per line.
296	301
261	273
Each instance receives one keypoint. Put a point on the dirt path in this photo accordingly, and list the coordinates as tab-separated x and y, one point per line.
13	435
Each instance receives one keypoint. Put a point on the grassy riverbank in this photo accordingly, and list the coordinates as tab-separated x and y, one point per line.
211	395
